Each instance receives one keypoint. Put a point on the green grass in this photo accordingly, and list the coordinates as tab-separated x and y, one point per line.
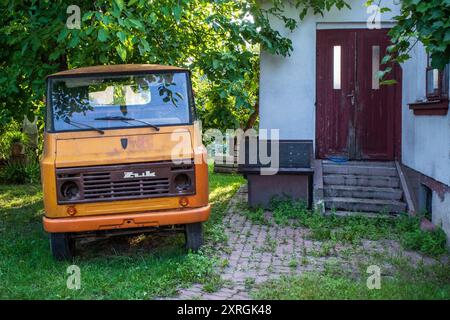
133	267
145	267
222	187
408	283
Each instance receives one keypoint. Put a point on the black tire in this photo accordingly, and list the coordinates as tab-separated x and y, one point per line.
62	246
194	236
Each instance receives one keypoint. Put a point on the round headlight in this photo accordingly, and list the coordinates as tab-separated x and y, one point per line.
182	182
70	190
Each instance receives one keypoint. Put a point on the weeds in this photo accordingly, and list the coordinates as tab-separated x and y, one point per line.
213	283
270	245
429	242
256	216
353	229
20	173
304	261
249	283
293	264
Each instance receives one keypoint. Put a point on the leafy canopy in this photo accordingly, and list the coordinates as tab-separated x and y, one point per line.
424	21
219	40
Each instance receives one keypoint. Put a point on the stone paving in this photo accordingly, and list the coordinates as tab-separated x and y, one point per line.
257	253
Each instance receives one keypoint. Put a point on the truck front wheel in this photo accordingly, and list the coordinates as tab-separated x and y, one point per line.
194	236
62	246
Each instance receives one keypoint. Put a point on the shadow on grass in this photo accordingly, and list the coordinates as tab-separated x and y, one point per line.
153	242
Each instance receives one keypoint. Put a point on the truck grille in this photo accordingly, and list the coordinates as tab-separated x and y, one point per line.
100	186
123	182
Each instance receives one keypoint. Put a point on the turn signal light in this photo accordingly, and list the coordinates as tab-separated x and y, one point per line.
184	202
71	211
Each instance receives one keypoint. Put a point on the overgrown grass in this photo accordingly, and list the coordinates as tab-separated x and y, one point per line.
222	187
431	243
352	229
408	282
138	267
431	282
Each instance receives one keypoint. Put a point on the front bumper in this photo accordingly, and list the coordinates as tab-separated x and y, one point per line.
123	221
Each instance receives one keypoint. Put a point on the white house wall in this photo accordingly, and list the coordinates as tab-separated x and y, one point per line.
425	139
287	85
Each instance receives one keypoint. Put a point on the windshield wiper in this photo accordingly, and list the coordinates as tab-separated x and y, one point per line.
77	124
120	118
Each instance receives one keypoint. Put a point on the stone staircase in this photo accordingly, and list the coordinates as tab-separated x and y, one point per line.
362	187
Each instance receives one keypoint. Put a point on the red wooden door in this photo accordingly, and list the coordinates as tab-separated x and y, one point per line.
355	116
334	110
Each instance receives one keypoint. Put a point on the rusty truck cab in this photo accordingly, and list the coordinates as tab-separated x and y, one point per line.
122	153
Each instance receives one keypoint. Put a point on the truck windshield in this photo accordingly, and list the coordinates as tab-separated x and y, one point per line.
154	99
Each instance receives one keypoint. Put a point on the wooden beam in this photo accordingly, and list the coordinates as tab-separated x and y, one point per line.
408	199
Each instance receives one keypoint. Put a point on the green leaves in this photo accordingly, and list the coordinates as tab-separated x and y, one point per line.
145	46
87	16
176	11
117	7
137	24
122	36
219	41
122	52
386	59
119	4
62	35
424	21
74	40
103	35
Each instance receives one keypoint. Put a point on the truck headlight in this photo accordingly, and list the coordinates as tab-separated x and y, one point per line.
182	182
70	190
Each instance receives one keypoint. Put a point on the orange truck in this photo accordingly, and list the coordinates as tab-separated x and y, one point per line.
122	154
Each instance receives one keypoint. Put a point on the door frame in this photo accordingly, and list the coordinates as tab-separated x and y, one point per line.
396	73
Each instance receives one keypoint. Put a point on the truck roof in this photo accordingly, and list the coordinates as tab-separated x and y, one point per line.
116	69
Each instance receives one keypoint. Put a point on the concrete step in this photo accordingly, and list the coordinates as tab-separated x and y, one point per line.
340	213
390	164
363	192
365	205
368	170
361	180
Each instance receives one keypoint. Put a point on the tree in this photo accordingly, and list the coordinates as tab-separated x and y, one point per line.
219	40
424	21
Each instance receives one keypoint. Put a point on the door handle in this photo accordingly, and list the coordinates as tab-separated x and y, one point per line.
352	97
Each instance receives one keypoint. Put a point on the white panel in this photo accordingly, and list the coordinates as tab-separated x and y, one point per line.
435	79
375	67
337	67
